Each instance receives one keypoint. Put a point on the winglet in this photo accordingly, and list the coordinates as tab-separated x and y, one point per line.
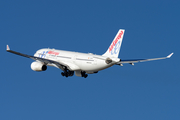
170	55
7	49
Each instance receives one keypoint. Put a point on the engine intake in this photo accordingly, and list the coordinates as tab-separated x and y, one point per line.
38	66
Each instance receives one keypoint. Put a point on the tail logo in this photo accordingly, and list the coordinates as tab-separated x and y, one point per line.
116	44
116	48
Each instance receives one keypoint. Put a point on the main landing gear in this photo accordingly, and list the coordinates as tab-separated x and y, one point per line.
67	73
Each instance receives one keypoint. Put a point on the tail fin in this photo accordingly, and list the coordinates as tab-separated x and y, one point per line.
114	48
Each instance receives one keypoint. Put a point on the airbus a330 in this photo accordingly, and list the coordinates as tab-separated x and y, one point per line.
81	64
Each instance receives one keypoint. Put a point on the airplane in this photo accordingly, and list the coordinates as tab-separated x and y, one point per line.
81	64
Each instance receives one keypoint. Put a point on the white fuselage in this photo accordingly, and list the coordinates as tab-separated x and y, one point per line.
78	61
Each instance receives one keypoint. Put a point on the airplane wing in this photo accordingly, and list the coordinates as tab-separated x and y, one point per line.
60	65
141	60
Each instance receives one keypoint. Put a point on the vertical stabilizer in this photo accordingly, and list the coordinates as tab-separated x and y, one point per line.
114	48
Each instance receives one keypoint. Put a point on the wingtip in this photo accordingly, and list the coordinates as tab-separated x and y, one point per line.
7	48
170	55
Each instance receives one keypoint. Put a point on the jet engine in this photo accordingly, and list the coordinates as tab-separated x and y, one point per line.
38	66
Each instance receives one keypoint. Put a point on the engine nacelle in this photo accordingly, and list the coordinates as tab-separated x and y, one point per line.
38	66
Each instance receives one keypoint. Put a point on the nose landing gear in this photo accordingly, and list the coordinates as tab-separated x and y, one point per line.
83	74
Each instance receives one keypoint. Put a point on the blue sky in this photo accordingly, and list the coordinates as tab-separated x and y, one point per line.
147	90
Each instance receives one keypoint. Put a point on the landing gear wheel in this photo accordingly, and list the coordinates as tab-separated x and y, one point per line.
62	74
85	76
67	73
